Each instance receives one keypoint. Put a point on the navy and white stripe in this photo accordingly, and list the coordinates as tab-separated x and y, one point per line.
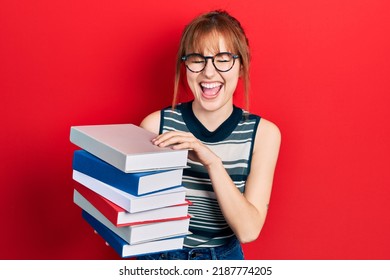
233	143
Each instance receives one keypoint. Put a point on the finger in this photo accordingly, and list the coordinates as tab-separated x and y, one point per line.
176	139
167	135
161	138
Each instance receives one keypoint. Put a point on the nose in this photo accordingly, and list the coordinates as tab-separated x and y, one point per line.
209	70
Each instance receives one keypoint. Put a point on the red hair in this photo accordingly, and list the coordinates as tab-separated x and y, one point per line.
204	31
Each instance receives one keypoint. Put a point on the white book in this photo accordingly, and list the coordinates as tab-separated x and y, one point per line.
127	147
130	202
137	233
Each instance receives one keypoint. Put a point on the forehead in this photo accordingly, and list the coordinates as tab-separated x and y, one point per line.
211	43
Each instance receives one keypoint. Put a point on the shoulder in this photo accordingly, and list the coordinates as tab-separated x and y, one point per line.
269	128
152	122
263	126
268	136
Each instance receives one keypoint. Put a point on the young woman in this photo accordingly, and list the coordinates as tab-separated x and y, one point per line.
232	154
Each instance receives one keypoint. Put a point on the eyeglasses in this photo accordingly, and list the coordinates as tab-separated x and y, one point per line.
196	62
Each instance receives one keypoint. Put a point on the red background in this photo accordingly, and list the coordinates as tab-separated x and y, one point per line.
320	71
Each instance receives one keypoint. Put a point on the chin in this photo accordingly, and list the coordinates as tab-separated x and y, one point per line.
212	105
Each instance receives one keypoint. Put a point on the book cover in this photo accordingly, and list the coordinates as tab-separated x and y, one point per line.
132	203
139	183
127	147
120	217
126	250
138	233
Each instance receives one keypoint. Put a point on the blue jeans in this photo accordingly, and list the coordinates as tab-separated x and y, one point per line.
230	251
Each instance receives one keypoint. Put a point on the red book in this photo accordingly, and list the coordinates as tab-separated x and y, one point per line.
120	217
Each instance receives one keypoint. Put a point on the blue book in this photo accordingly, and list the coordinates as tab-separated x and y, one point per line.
139	183
124	249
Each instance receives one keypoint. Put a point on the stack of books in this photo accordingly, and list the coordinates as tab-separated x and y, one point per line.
129	190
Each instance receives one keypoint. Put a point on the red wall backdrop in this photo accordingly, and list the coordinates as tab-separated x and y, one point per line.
320	71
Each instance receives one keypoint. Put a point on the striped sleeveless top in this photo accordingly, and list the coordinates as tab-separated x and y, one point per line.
233	143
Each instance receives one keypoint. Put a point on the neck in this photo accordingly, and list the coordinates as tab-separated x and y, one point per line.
212	119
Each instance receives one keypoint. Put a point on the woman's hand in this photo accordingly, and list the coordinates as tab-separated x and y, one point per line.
178	140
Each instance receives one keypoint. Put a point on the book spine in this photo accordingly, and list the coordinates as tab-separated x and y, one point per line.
99	202
120	198
98	149
129	202
102	171
110	237
119	245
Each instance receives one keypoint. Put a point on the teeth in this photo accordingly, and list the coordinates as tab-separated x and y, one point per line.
210	85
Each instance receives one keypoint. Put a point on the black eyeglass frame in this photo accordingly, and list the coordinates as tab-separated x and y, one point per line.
185	57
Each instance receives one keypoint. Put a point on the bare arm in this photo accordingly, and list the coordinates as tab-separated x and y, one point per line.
152	122
246	213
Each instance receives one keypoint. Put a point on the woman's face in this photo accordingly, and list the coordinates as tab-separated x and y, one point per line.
212	89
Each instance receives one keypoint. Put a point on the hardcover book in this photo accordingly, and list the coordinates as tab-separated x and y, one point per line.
127	147
139	183
138	233
120	217
126	250
132	203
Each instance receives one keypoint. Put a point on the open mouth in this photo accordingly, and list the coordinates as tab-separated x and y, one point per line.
210	90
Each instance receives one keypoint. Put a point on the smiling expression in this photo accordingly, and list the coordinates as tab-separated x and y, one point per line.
212	89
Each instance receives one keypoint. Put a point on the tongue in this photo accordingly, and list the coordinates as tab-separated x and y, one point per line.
211	91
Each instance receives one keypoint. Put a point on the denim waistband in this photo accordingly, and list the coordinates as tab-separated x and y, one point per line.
230	251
